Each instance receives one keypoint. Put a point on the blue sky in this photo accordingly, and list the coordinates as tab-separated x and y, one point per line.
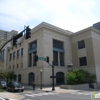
72	15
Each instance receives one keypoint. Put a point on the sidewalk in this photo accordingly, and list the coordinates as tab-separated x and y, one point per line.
49	89
10	96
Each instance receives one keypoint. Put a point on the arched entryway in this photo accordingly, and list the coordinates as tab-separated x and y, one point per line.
31	78
60	78
19	78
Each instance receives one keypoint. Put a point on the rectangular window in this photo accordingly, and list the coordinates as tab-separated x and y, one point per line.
5	35
61	59
2	53
83	61
33	45
22	65
10	57
13	55
30	60
18	53
55	58
57	44
17	66
9	67
81	44
21	51
13	66
34	62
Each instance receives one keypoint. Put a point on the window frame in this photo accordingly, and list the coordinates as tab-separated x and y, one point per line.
83	61
81	44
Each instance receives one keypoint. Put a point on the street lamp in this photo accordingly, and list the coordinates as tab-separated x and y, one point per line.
70	65
41	78
53	87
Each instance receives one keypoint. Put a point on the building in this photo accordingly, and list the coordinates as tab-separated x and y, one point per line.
4	37
80	49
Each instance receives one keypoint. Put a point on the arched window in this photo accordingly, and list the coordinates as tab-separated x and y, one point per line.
60	78
19	78
31	78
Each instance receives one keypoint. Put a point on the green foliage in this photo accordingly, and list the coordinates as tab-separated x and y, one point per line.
1	90
7	75
79	77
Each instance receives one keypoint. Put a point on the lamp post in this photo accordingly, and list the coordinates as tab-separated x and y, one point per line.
70	65
41	78
53	87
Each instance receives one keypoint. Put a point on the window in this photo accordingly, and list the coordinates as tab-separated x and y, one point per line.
5	35
22	65
55	58
83	61
13	66
30	58
58	53
61	59
57	44
33	45
10	57
81	44
34	62
13	55
21	51
3	53
18	53
17	66
9	67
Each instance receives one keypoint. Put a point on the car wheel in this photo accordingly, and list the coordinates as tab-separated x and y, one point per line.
7	89
13	90
22	90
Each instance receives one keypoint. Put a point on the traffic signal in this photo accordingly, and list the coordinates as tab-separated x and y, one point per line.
47	59
36	58
17	37
28	32
14	40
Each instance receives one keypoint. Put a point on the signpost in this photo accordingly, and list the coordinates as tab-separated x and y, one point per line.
41	58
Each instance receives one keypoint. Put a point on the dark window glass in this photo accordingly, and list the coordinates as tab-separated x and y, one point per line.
17	66
55	58
34	62
83	61
13	66
81	44
61	59
13	55
21	51
30	58
22	65
10	57
18	53
57	44
33	45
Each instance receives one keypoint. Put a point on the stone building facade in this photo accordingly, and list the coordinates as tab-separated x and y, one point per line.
81	49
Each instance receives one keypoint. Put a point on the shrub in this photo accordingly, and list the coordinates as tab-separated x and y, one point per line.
79	77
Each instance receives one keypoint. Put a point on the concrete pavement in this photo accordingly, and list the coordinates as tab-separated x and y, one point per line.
16	96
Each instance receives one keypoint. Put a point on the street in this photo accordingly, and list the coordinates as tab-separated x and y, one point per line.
42	95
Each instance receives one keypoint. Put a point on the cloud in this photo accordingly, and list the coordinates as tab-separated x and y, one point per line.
71	15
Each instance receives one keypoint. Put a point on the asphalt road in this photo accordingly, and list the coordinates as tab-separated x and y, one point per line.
42	95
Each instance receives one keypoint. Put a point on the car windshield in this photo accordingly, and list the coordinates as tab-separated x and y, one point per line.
16	83
3	82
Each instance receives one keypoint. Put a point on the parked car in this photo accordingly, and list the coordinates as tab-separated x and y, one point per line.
15	86
3	84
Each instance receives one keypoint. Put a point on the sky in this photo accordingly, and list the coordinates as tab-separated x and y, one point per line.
72	15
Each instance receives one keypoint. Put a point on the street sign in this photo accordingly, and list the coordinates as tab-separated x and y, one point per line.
41	58
52	76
